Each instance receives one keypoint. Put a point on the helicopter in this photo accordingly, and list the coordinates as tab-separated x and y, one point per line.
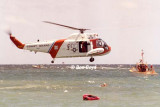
76	45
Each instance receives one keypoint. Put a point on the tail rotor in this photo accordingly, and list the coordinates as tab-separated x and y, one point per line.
9	32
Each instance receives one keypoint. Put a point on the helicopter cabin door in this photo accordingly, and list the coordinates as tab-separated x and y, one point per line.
83	46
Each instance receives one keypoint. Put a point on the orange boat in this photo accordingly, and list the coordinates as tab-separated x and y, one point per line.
143	68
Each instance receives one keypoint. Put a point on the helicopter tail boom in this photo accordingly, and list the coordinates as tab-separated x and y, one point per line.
17	42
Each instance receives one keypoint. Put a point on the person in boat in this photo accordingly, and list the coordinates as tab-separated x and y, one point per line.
139	68
143	68
151	68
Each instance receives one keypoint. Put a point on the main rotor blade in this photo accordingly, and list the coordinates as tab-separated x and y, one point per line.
74	28
61	25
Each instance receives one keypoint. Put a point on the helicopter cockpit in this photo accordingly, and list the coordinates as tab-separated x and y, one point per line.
101	43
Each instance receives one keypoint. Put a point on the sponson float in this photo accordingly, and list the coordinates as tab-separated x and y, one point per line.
76	45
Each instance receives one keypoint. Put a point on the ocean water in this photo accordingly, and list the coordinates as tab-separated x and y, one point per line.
64	86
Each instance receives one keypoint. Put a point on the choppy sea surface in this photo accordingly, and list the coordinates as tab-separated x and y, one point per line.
64	86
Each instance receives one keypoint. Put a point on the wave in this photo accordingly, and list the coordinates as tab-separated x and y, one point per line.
28	86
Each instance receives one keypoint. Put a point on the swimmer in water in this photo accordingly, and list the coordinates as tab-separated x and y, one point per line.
103	85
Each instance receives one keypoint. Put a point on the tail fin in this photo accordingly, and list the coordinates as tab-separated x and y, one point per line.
17	42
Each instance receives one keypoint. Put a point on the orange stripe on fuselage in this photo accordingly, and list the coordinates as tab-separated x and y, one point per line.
94	43
56	47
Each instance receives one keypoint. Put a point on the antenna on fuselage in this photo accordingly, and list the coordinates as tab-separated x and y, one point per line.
73	28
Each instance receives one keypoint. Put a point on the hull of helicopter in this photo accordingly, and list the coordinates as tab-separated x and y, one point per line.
64	48
76	45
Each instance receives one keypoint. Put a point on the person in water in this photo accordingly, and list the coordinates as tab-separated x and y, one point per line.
103	85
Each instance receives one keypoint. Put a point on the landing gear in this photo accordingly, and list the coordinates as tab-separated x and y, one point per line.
91	59
52	61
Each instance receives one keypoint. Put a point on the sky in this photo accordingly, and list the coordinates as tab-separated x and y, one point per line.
128	26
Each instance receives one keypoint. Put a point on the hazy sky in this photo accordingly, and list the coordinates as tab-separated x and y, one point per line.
126	25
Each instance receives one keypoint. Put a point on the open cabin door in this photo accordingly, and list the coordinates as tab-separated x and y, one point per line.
83	46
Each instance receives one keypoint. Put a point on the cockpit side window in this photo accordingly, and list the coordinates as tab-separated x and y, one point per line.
99	43
105	45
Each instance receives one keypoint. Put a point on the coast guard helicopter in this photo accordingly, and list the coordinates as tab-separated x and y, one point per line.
76	45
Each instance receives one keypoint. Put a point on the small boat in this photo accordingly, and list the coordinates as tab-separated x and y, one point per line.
143	68
38	66
90	97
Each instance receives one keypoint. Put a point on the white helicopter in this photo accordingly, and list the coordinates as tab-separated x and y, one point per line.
76	45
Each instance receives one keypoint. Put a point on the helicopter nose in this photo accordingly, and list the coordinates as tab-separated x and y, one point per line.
109	48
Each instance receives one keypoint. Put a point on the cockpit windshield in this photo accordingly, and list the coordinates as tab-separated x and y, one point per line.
101	43
105	45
